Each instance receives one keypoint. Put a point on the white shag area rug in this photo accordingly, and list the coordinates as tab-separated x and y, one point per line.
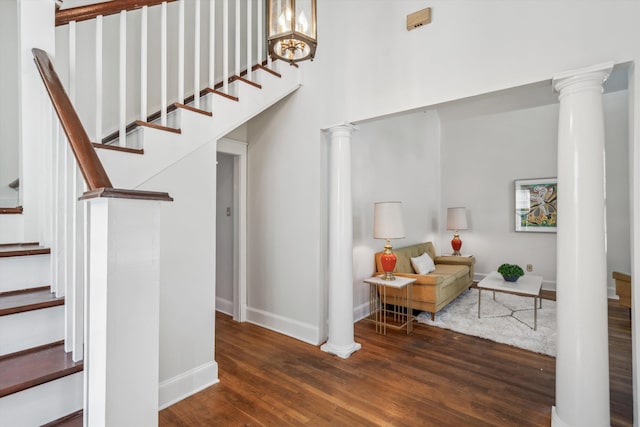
508	320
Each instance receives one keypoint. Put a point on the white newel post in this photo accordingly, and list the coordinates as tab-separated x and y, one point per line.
582	362
340	342
122	348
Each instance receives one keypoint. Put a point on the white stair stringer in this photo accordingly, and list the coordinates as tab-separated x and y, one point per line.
43	403
162	149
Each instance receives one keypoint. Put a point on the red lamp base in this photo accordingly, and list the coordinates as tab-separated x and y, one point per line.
456	244
388	260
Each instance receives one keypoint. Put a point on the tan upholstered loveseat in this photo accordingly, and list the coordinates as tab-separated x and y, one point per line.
433	291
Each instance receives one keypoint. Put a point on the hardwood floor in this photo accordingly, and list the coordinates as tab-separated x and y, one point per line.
432	377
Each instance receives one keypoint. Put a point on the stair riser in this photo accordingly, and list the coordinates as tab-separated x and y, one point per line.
11	228
44	403
24	272
21	331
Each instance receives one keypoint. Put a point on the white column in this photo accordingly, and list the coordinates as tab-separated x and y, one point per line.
340	310
582	362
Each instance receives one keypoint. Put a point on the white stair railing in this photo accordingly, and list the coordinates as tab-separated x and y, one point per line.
172	62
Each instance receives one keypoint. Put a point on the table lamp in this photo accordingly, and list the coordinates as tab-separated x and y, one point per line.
456	220
388	224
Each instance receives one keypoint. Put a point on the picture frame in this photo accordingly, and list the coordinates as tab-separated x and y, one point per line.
536	207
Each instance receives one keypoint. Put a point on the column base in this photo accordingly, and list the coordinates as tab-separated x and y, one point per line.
555	419
343	351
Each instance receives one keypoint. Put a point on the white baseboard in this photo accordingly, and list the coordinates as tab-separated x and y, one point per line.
186	384
361	311
224	306
293	328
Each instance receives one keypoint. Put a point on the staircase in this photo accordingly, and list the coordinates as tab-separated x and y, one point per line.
39	381
41	288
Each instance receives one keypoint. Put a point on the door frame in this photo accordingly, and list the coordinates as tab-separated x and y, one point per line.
238	150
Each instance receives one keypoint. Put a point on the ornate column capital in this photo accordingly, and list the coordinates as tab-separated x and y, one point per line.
344	129
588	78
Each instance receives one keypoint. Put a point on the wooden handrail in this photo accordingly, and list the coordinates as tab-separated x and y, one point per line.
92	170
88	161
83	13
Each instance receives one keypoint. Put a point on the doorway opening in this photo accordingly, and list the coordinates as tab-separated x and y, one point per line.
231	229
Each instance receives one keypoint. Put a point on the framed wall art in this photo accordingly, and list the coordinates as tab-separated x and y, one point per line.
536	205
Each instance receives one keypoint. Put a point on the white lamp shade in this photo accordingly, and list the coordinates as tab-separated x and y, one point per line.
456	218
387	220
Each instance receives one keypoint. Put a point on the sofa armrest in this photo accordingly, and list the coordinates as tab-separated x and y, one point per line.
455	260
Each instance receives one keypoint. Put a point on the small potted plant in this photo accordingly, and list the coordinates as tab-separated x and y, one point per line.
510	272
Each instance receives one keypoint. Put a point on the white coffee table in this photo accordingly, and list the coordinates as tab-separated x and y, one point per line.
378	313
528	285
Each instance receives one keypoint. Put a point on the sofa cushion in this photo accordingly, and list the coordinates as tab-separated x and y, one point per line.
423	264
457	271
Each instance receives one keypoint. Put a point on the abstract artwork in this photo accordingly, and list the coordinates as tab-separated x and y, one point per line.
536	205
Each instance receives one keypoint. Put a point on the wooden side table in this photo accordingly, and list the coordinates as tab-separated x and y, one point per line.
378	309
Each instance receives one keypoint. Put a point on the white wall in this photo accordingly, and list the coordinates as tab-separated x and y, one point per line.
616	110
9	105
393	159
187	274
481	157
470	48
285	207
224	234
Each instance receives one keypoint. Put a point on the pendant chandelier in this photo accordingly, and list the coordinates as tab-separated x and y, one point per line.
292	29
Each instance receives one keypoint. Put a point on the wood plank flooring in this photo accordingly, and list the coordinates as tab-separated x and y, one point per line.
432	377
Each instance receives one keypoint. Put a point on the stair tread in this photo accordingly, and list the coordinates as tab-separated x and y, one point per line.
29	368
22	249
28	299
71	420
11	210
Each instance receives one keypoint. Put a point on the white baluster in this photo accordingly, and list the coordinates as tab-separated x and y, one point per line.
55	201
266	49
259	41
196	57
122	120
163	65
62	219
77	269
212	43
249	36
69	248
237	43
225	46
98	49
72	62
143	62
180	51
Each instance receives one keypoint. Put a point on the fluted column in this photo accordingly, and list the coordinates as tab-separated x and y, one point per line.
340	342
582	362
